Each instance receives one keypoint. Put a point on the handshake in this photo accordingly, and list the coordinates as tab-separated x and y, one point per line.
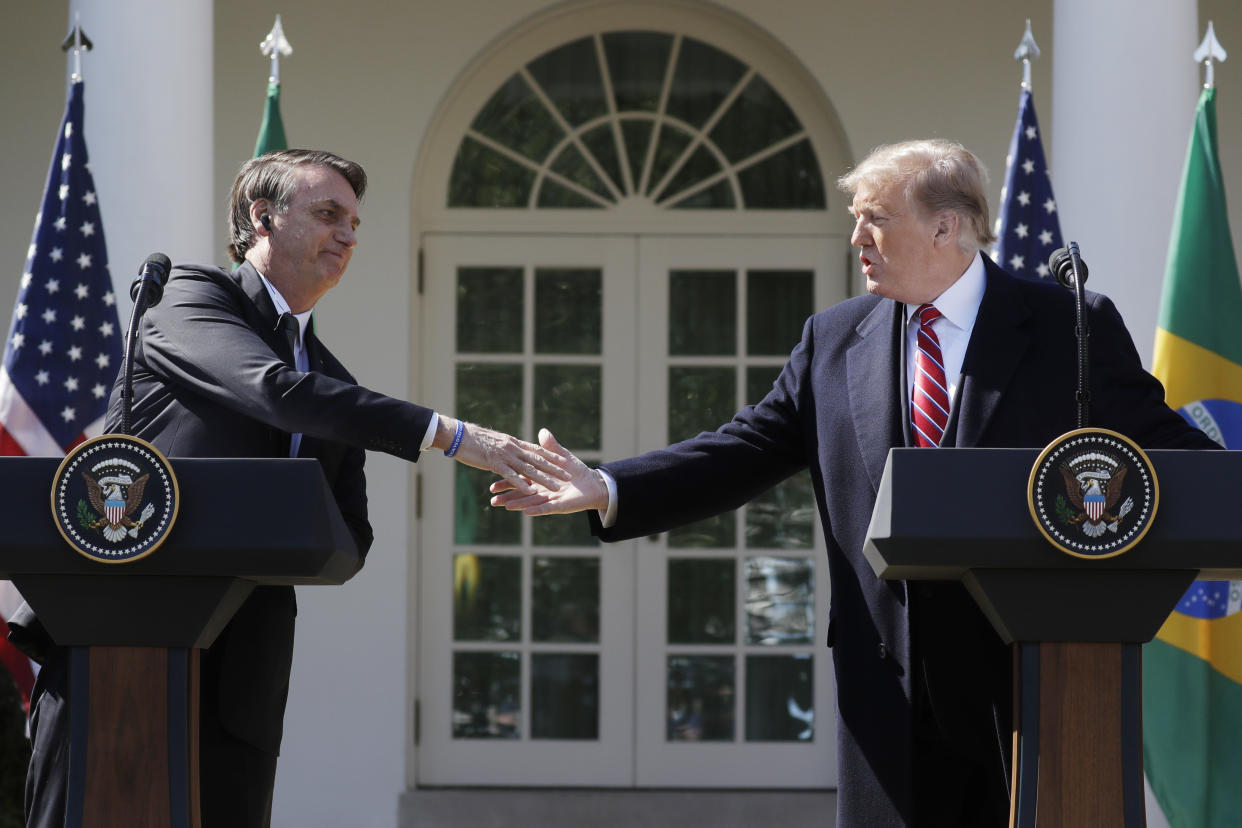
544	479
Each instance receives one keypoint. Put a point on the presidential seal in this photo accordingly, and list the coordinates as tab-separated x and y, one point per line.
1093	493
115	499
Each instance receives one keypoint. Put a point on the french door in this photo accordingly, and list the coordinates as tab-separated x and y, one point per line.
693	658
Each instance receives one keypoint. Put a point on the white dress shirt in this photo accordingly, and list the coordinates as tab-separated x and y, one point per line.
958	306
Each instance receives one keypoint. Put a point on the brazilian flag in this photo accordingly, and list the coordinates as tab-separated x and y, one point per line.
1192	671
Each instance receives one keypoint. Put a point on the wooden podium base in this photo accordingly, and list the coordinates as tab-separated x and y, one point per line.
1078	754
134	734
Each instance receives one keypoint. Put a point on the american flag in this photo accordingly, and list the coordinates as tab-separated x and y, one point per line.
1027	228
64	344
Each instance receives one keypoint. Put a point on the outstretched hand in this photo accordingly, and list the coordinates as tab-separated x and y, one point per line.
526	467
577	489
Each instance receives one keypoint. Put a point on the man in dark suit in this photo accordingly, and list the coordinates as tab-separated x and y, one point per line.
228	365
923	682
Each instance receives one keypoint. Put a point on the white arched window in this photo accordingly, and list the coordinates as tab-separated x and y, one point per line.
623	114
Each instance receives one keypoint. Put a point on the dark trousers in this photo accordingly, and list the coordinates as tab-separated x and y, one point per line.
236	778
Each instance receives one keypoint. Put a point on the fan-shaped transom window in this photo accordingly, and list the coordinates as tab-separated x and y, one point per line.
636	114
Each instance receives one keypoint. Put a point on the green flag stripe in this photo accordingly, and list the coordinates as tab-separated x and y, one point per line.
272	130
1202	297
1192	761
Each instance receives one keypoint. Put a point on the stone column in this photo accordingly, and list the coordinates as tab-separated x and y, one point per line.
1124	92
149	130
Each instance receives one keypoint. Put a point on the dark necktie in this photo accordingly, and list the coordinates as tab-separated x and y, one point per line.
929	402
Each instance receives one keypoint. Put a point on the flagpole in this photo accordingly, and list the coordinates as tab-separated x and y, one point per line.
273	46
1027	51
1208	51
77	41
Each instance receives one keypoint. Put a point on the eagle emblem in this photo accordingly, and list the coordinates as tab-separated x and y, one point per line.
1093	484
115	499
117	495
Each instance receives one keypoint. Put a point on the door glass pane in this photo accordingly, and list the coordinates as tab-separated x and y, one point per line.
565	599
788	180
486	695
569	75
780	600
489	310
483	177
699	399
701	164
490	394
670	144
562	530
517	119
637	135
702	695
573	166
552	194
474	521
780	701
568	310
602	143
564	697
783	517
567	400
705	76
637	63
778	303
702	313
717	196
487	597
702	596
756	120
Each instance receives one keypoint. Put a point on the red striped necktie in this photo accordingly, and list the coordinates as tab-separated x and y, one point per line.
929	401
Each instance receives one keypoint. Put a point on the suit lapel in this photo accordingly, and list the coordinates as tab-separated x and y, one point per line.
872	366
269	321
997	346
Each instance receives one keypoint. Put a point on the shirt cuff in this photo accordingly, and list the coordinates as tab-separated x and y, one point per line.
608	517
431	432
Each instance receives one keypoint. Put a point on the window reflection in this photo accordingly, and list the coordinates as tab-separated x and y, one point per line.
701	696
780	600
487	597
486	696
780	698
564	696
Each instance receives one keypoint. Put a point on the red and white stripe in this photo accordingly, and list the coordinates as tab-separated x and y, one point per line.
929	400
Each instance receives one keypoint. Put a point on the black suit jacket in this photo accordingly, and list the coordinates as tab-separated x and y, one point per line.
213	378
838	408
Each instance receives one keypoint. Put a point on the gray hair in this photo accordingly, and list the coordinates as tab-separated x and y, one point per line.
939	175
272	176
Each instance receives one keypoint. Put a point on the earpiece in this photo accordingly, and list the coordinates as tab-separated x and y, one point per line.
266	221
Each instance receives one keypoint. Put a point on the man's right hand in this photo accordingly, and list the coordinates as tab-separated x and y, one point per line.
579	487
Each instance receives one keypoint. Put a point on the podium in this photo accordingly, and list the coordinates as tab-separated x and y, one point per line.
1077	624
135	629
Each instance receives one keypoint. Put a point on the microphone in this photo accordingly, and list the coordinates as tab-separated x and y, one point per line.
1061	263
153	274
1071	272
146	291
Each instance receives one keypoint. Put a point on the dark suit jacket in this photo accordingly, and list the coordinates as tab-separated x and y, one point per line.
837	408
212	378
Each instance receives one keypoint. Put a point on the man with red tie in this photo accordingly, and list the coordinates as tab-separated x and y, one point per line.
946	350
